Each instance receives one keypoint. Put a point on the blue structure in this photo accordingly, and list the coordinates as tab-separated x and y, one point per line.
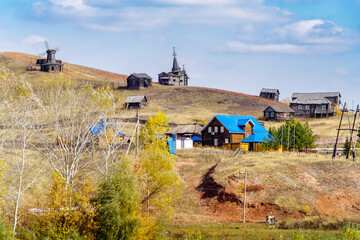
99	128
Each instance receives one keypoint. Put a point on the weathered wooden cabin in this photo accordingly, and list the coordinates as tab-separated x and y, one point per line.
177	76
50	64
133	102
278	113
138	81
270	93
232	132
315	105
186	130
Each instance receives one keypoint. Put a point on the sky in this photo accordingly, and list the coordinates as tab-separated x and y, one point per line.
237	45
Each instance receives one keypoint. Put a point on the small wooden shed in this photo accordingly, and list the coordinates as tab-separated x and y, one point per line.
133	102
270	93
138	81
278	113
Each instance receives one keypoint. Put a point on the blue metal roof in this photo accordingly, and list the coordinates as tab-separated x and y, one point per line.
258	138
231	123
97	129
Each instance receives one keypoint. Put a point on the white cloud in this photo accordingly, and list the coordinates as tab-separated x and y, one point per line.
283	48
311	31
32	39
210	2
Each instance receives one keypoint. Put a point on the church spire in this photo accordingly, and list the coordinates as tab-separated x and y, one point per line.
175	67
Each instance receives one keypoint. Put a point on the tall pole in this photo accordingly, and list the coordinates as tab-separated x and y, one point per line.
288	142
137	133
294	140
337	136
244	196
282	136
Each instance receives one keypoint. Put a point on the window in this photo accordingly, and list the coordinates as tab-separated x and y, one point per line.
307	107
267	114
222	129
323	107
215	142
226	140
216	129
209	129
299	107
272	114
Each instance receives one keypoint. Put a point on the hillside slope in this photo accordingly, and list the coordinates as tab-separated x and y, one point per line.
18	62
180	104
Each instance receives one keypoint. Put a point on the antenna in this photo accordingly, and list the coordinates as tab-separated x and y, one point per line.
46	45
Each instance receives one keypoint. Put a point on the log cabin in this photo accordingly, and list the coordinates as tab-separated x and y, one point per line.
278	113
232	132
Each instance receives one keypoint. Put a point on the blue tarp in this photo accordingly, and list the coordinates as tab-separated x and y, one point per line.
171	146
196	139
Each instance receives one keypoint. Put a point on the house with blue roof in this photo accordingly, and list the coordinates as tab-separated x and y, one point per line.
106	134
231	131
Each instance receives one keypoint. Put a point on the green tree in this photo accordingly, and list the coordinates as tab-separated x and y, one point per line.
294	132
346	146
118	204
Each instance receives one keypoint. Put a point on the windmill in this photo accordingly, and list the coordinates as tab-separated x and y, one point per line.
50	64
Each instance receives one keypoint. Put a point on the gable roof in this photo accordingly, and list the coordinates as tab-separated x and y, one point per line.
231	123
317	95
135	99
270	90
280	109
186	128
311	101
140	75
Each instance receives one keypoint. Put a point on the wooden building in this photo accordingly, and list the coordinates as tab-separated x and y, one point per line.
232	132
186	130
50	64
278	113
177	76
270	93
315	105
133	102
138	81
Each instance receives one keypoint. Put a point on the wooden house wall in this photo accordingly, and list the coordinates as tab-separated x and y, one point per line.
209	137
315	110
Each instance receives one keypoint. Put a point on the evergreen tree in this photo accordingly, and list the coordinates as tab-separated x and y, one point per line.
118	204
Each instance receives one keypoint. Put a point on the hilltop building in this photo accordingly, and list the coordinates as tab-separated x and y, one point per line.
137	81
270	93
230	131
314	105
177	76
50	64
278	113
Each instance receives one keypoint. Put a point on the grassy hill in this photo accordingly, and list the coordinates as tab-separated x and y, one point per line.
18	62
181	104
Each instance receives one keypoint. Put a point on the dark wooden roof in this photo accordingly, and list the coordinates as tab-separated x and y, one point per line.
281	109
270	90
318	95
140	75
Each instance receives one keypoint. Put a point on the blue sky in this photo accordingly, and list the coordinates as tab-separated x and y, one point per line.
239	45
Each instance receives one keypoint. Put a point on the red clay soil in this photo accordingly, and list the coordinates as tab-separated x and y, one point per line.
268	101
229	207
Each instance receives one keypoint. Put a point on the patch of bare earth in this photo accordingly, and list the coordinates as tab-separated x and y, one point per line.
228	206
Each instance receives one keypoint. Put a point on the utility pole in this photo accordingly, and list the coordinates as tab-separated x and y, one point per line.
288	142
294	140
244	197
137	133
282	136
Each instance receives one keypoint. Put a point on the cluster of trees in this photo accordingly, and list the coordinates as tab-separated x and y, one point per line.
93	192
291	135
